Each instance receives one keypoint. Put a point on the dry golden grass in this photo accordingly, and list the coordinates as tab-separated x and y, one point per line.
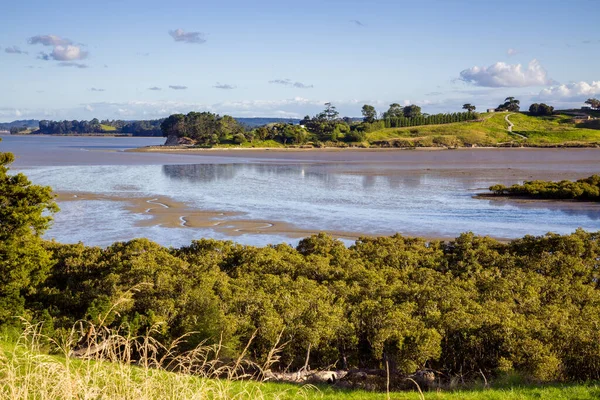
115	366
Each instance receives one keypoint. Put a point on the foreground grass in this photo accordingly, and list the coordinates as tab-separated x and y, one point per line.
27	373
492	131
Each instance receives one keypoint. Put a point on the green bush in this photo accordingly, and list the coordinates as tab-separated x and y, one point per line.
582	189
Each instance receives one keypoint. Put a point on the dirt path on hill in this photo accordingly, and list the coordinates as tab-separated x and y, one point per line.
511	125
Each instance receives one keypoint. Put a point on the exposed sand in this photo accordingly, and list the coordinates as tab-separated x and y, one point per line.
172	214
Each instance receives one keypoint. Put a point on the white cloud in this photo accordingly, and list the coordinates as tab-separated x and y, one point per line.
571	91
502	74
89	108
68	53
290	83
14	50
72	64
49	40
512	52
63	49
125	112
224	86
179	35
18	113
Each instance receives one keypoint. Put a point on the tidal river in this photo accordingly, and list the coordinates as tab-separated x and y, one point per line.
257	197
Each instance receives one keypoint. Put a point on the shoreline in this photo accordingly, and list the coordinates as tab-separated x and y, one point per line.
527	199
108	135
198	150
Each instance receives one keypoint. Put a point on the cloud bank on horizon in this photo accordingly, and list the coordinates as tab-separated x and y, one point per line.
290	83
502	74
571	91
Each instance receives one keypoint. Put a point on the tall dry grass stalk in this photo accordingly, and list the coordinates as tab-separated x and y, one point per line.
103	364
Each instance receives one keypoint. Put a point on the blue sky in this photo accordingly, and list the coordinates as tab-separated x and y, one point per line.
80	60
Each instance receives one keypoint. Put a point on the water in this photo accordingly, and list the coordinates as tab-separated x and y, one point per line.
414	193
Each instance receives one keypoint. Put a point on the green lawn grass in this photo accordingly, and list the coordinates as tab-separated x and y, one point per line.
249	145
108	128
552	130
492	131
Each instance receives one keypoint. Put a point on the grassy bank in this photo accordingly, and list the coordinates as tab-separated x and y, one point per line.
26	371
491	130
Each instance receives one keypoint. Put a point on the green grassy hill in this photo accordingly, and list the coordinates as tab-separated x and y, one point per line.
491	130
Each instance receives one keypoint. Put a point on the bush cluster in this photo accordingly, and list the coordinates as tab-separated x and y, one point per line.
530	306
582	189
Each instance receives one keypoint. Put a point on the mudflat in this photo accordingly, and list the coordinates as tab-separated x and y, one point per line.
168	213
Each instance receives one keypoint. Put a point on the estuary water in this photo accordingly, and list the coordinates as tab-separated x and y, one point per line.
424	193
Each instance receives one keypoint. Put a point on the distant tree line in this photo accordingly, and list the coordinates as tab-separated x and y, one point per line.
205	128
582	189
398	116
327	126
134	128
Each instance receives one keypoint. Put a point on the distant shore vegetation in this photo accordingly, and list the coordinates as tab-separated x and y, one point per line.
582	189
327	127
397	127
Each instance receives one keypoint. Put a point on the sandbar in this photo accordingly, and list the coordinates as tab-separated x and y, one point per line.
166	212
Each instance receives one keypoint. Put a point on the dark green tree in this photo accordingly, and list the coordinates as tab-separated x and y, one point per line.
412	111
24	262
510	104
469	107
540	109
174	125
329	114
395	111
594	103
369	113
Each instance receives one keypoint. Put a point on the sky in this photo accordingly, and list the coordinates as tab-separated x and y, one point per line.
129	59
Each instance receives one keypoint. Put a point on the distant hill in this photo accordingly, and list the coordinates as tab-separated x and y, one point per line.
29	123
249	122
492	130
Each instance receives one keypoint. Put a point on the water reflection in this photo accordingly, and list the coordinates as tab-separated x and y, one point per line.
200	173
574	209
204	173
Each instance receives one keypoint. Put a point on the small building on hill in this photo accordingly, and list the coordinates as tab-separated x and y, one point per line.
491	110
